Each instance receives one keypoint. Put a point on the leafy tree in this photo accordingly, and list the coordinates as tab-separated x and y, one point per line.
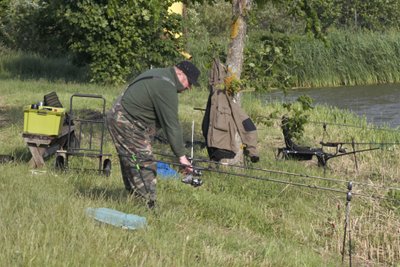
120	37
33	26
116	38
268	62
3	21
372	14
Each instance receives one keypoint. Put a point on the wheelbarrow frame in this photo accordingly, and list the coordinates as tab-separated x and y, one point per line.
73	146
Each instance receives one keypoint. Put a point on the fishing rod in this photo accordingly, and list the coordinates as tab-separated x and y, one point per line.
350	143
355	143
282	172
192	178
197	171
358	143
351	152
200	169
342	124
354	126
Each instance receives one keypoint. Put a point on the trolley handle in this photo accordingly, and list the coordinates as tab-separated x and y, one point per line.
87	95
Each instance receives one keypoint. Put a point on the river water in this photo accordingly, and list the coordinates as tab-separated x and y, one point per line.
379	103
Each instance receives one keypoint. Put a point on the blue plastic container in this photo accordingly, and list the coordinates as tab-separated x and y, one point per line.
117	218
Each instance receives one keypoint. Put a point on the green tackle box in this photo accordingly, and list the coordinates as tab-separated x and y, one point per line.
43	120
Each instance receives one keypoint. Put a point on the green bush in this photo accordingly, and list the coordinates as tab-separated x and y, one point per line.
268	62
123	37
33	26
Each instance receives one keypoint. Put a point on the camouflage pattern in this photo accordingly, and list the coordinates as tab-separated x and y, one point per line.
132	140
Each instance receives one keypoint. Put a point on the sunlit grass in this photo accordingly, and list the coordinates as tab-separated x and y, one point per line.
230	220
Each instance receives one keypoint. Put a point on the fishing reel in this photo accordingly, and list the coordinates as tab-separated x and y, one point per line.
193	178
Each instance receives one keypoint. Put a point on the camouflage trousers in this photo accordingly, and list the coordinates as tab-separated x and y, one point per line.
132	140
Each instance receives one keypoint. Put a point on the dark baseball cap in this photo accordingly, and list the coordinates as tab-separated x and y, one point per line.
191	71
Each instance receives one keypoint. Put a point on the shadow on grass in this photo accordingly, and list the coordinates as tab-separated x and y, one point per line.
102	193
17	156
111	195
28	67
22	155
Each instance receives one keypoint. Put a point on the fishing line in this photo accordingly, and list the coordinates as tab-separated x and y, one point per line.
341	124
257	177
284	172
365	143
271	179
354	126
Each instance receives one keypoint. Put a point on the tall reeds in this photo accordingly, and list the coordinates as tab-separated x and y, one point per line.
347	58
28	66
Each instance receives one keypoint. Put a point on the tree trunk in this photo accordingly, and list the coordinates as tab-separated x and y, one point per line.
240	10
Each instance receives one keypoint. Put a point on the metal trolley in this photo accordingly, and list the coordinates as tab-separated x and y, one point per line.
86	130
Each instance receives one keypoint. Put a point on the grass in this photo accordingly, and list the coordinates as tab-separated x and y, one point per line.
348	58
22	66
230	220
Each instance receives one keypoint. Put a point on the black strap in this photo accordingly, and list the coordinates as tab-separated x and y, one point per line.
153	77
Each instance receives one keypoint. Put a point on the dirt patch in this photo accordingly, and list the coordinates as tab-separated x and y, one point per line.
88	114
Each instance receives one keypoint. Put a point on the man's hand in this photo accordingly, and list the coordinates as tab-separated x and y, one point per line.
186	164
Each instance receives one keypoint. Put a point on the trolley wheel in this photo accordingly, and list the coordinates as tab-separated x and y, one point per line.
60	163
107	167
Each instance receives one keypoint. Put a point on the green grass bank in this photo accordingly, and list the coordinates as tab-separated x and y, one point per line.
230	220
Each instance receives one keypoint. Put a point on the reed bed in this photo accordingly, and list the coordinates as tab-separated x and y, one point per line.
347	58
